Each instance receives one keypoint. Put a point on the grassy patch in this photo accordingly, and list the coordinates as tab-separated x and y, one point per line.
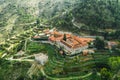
34	47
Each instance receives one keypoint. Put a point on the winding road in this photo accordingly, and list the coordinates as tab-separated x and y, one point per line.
66	78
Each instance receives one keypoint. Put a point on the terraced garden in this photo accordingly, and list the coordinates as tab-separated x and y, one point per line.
58	66
62	67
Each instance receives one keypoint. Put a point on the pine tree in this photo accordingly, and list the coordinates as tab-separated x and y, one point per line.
64	38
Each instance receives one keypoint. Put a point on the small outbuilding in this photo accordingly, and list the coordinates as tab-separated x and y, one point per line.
41	58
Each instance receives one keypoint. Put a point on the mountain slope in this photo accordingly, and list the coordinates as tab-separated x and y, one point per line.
15	14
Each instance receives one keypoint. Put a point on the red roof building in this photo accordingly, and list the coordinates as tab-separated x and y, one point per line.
72	41
72	44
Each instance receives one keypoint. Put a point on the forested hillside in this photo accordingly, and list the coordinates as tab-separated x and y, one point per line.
72	15
98	13
92	17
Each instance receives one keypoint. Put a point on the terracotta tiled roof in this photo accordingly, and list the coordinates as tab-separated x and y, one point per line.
72	41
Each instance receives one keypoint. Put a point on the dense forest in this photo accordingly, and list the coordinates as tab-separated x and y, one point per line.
90	15
101	17
98	13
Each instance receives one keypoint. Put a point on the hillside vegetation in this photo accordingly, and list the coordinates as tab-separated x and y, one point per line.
17	15
98	13
22	31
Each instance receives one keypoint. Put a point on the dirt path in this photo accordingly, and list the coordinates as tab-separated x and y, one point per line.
11	22
28	60
78	25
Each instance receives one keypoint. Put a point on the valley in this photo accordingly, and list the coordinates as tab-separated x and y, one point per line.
59	40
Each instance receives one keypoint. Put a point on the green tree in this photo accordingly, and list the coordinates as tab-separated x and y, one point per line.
99	43
38	22
114	62
64	38
105	74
